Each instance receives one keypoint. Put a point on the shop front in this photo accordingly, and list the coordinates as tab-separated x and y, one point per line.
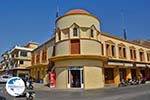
75	77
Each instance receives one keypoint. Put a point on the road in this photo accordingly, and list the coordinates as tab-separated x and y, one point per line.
139	92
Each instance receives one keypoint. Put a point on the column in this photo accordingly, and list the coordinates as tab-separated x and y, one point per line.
116	76
137	72
128	73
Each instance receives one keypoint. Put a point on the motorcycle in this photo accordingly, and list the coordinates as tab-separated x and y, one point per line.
122	83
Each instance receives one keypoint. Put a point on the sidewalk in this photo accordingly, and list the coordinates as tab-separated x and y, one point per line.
38	86
41	87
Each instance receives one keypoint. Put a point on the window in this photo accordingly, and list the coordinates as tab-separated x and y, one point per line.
148	56
141	56
21	61
102	49
38	58
132	53
92	33
122	51
75	32
113	50
75	46
107	50
44	55
59	35
110	48
23	53
33	60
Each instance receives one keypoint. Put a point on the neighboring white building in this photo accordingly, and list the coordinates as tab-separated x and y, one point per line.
17	59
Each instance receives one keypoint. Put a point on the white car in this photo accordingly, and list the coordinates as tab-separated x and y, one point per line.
4	78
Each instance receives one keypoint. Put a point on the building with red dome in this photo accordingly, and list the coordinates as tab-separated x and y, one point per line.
81	56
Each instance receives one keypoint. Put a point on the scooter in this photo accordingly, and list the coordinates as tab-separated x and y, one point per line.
30	95
123	83
29	85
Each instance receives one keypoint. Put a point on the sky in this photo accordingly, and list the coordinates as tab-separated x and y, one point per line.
34	20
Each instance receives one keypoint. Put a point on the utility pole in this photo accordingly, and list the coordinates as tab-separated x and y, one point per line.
57	8
123	25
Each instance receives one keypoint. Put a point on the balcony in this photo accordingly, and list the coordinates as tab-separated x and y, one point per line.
21	58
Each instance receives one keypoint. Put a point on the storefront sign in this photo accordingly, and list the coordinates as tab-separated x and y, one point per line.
15	86
128	64
148	66
121	64
115	63
140	65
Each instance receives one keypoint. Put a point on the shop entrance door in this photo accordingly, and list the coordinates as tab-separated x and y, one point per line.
122	72
133	73
75	77
109	75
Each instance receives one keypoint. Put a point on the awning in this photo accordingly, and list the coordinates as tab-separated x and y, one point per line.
148	66
128	64
115	63
140	65
121	64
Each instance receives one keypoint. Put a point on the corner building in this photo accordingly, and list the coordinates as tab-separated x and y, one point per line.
85	57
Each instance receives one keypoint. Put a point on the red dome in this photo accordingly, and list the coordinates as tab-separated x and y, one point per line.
77	11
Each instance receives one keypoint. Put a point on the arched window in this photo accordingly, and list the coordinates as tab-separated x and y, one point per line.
92	33
59	35
75	32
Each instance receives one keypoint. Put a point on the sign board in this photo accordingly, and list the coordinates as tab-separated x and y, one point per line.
15	86
52	79
140	65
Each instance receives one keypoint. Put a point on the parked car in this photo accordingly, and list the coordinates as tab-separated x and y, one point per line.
4	78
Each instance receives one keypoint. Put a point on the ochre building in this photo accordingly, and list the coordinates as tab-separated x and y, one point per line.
84	57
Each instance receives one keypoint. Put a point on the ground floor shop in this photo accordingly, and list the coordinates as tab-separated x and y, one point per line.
79	73
19	72
115	72
86	73
39	73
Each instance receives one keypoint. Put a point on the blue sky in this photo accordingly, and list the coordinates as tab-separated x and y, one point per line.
25	20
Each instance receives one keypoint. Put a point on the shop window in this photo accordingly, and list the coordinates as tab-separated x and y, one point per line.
75	46
75	31
109	75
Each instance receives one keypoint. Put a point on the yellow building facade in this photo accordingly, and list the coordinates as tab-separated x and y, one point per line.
84	57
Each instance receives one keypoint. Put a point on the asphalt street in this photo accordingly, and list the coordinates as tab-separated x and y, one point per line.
138	92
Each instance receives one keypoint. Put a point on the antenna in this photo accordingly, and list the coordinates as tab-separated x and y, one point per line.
123	25
57	8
